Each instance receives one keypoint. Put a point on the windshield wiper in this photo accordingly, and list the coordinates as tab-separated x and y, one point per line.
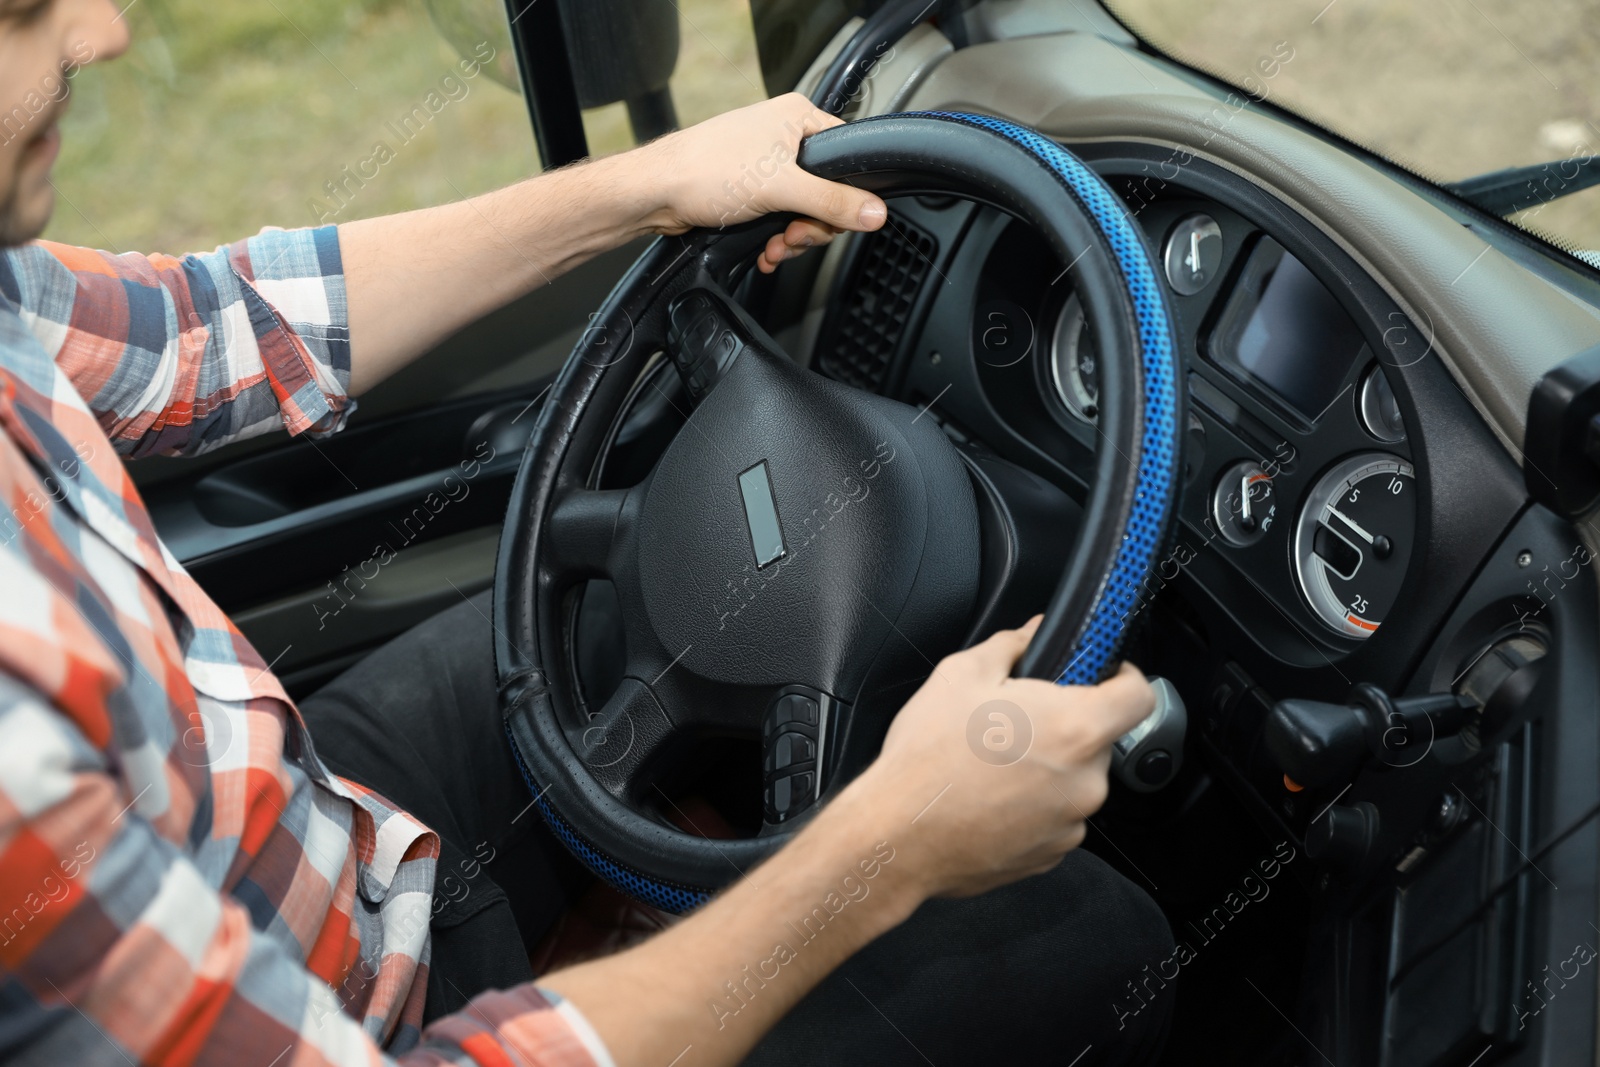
1506	192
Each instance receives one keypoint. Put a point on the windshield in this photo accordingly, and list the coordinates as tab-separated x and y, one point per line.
1493	98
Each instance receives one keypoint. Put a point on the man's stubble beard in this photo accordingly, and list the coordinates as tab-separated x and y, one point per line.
14	229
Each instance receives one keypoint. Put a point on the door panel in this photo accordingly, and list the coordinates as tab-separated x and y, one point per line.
311	635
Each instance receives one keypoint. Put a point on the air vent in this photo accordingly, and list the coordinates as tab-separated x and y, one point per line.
875	304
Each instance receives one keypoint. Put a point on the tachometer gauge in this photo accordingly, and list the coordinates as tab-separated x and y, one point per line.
1072	363
1353	540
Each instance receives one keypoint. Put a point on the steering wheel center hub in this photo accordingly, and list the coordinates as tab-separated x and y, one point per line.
785	528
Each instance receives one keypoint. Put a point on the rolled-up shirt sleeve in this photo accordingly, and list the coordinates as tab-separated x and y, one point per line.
180	355
115	948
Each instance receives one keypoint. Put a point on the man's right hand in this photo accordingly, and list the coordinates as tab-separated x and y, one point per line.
996	776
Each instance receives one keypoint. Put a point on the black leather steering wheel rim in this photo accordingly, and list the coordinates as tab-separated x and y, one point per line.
1126	520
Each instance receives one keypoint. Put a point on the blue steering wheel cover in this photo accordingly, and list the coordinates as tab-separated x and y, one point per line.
1095	652
675	899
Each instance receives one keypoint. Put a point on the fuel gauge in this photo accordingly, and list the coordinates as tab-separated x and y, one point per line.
1243	505
1193	253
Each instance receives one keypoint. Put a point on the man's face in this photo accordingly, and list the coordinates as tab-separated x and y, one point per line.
43	45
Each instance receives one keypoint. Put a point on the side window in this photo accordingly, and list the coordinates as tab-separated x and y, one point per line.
226	116
229	115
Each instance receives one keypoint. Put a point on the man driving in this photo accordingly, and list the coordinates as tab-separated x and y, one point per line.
195	870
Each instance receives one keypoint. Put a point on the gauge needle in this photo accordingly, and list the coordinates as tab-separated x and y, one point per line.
1348	521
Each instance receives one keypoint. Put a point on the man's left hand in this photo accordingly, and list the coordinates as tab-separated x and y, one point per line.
741	165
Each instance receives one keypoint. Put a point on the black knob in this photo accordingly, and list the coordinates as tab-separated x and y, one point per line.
1154	767
1320	744
1317	743
1502	679
1343	835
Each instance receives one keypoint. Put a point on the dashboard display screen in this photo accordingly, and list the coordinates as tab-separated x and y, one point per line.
1283	329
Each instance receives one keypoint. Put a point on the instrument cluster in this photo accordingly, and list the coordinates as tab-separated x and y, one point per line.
1300	505
1299	477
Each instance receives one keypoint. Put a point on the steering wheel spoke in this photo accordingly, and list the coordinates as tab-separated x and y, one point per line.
624	737
586	526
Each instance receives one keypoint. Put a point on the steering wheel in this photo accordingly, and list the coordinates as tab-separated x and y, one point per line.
803	552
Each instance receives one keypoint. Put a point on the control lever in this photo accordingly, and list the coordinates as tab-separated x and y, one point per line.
1150	755
1320	744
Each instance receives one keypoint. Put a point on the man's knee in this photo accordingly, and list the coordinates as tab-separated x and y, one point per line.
1118	903
1133	985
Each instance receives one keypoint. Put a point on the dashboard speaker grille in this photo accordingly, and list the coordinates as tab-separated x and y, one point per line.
876	301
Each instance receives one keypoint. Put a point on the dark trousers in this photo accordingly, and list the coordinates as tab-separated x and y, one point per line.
1032	971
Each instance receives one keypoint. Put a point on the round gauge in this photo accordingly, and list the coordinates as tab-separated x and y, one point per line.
1193	253
1380	411
1073	363
1353	540
1243	505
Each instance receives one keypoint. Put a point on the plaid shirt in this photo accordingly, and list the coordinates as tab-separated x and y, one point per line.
181	880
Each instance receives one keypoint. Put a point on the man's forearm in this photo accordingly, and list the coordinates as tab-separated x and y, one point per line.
716	982
413	279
